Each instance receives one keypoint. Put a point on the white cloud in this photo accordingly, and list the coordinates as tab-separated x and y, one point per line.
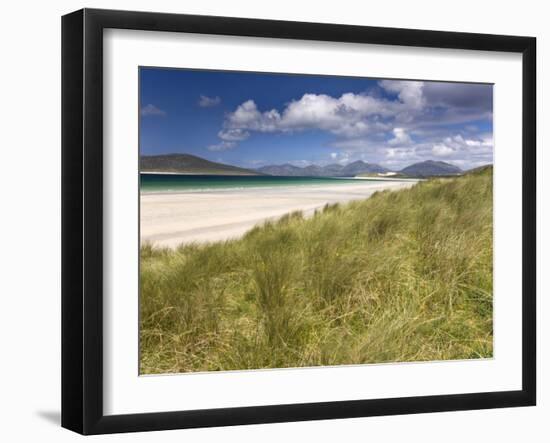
222	146
442	150
411	125
341	157
234	135
311	111
470	150
401	153
346	115
247	116
208	102
485	140
473	142
350	115
400	138
151	109
409	92
457	145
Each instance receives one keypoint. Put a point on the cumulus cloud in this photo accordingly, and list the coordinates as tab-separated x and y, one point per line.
350	115
403	154
482	143
222	146
409	92
151	109
394	124
208	102
248	117
233	135
456	149
461	150
400	138
442	150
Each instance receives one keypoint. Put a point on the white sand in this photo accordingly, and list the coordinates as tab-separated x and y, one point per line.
169	219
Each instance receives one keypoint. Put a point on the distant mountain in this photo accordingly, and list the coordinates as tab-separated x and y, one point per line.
430	168
188	164
332	170
191	164
360	167
286	169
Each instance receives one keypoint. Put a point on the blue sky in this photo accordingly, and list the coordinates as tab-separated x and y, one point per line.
255	119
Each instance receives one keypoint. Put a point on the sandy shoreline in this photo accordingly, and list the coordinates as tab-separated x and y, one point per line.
206	216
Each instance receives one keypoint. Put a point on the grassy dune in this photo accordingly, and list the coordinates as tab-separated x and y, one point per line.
402	276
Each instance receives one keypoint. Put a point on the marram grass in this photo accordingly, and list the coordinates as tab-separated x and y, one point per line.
403	276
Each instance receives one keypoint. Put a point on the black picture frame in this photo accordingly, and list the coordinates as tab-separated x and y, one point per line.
82	218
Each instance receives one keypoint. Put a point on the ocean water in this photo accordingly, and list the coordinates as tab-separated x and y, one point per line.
175	183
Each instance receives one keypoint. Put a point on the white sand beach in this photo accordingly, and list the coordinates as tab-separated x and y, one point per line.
171	219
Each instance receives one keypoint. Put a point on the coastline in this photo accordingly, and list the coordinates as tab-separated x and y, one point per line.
391	179
199	216
196	173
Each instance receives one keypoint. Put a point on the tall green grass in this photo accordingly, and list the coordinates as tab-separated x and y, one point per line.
403	276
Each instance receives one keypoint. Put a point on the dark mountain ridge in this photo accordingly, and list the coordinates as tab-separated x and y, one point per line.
428	168
332	170
191	164
188	164
431	168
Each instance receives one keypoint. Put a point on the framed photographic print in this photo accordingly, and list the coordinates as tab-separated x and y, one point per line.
269	221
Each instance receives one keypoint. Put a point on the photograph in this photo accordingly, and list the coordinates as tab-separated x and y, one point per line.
281	220
291	220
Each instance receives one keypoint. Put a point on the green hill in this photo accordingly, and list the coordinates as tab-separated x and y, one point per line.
188	164
430	168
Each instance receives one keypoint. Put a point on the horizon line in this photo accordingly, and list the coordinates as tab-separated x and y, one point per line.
288	163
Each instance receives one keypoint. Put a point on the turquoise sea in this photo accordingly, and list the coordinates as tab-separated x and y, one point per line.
175	183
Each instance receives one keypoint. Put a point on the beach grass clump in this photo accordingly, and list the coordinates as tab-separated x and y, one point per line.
402	276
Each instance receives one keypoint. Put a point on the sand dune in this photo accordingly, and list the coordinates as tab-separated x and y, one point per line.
204	216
